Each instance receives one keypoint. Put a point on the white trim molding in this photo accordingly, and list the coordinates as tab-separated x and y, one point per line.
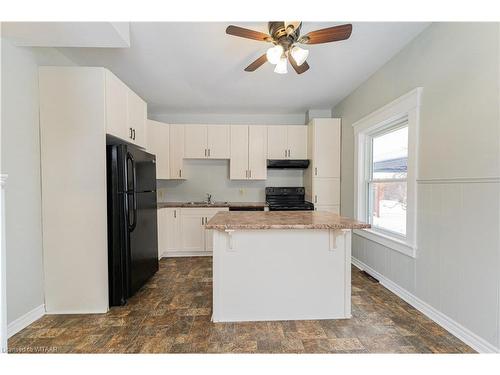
460	180
181	253
25	320
470	338
3	269
387	241
406	107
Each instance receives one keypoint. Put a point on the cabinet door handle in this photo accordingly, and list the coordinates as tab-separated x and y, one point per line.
175	214
208	152
315	171
315	199
180	172
285	153
130	136
134	134
205	152
246	173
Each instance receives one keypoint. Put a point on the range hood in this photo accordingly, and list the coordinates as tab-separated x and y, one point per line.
287	164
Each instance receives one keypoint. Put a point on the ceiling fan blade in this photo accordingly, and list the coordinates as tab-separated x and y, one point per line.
330	34
256	64
298	68
247	33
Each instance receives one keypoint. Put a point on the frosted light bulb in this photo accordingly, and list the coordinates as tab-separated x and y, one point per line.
299	55
274	54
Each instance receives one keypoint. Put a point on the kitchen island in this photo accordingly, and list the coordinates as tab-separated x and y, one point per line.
281	265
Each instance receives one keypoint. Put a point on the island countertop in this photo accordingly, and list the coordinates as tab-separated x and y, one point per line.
282	220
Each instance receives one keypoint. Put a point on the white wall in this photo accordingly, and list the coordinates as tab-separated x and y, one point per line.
21	161
212	176
456	269
231	118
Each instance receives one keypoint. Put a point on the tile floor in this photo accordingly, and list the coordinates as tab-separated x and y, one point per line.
171	314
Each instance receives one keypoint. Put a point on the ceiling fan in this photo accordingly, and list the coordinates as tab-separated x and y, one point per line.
286	36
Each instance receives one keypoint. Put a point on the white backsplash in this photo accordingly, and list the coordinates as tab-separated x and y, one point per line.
212	176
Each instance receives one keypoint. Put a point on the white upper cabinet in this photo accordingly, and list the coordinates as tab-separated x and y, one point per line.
195	141
238	164
136	118
116	107
277	145
287	142
248	152
207	142
158	135
325	133
297	141
218	141
126	112
322	178
176	151
257	152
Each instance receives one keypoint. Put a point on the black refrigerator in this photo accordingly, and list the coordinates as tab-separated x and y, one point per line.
132	221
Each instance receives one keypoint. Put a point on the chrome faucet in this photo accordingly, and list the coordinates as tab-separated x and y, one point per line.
209	198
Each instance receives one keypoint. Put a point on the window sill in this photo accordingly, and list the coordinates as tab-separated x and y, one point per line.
388	241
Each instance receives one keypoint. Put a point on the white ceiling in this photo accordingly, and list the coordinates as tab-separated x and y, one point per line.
67	34
197	68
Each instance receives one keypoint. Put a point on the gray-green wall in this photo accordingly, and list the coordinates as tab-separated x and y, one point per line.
21	161
456	271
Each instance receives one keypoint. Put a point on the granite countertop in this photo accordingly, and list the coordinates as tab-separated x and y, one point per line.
211	205
282	220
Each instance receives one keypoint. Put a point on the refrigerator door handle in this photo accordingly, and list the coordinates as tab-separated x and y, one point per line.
132	225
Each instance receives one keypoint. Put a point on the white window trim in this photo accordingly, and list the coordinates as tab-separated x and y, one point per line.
407	106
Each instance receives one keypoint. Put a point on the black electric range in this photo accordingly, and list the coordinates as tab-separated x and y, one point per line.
287	199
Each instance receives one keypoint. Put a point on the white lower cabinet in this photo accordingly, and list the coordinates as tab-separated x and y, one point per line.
168	230
171	229
209	233
192	231
181	231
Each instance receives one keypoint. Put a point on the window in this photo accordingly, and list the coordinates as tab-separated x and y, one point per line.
386	184
385	173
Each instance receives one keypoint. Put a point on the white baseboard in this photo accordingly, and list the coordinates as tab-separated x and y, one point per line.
175	254
470	338
25	320
78	312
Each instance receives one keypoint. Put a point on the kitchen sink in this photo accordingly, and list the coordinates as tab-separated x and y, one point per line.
196	203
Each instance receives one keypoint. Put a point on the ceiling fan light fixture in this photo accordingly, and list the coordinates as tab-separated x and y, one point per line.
274	54
281	66
299	54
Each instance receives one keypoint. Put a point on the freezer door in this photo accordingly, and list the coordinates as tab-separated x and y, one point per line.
145	170
143	240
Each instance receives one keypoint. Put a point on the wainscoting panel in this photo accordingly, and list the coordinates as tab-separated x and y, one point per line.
458	248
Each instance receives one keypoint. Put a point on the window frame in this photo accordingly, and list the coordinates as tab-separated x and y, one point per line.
406	110
388	128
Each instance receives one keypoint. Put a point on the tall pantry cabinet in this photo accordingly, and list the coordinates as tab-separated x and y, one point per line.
79	108
322	178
